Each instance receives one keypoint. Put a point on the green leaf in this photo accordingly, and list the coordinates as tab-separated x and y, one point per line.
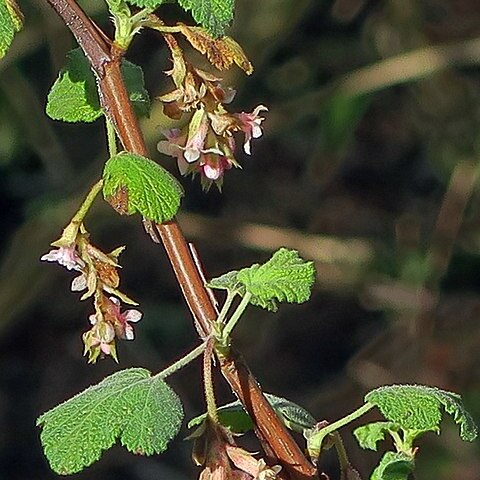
227	281
147	3
132	406
135	83
234	417
10	23
369	435
133	183
417	407
394	466
286	277
74	98
214	15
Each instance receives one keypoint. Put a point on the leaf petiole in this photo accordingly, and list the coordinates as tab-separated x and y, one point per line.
314	441
226	306
230	325
182	362
70	232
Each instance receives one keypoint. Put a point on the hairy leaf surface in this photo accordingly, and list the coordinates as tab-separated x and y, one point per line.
133	183
214	15
130	405
147	3
74	98
417	407
11	21
286	277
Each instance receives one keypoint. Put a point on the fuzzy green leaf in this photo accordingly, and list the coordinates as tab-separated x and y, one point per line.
417	407
147	3
214	15
394	466
130	405
74	98
10	23
135	83
369	435
133	183
228	281
286	277
237	419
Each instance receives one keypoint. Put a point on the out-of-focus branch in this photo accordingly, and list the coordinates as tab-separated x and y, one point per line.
402	68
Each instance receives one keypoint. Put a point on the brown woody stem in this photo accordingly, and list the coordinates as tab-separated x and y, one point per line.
105	62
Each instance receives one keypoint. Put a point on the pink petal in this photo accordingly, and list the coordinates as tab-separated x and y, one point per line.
132	316
129	333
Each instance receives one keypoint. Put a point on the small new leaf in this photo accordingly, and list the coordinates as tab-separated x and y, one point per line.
132	183
286	277
417	407
214	15
234	417
74	98
132	406
394	466
11	21
228	282
369	435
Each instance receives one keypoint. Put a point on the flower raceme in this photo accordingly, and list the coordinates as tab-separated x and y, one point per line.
98	276
108	322
205	145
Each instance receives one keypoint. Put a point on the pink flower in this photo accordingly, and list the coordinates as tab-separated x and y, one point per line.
121	321
65	256
213	166
173	147
197	134
250	124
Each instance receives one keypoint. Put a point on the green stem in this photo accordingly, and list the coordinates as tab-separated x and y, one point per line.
182	362
226	306
314	442
111	138
70	232
230	325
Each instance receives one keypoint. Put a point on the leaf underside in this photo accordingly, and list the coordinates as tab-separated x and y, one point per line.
393	466
131	406
417	407
234	417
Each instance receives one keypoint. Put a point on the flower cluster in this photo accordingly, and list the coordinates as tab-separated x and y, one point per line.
221	459
205	145
98	278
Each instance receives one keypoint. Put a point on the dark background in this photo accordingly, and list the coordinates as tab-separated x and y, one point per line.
368	165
